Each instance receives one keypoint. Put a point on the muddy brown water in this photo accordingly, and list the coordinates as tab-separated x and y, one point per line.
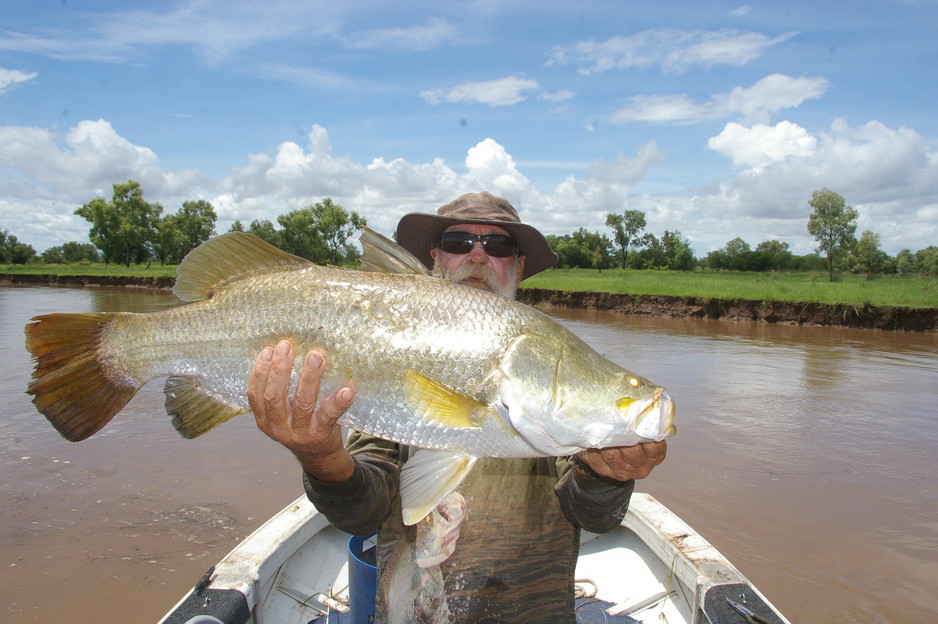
805	454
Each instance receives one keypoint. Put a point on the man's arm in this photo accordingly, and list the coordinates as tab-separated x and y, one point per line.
595	486
354	493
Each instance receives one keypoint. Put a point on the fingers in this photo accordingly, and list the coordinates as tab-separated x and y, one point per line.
269	384
307	390
626	462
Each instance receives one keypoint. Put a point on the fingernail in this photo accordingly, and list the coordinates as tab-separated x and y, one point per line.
314	360
267	354
346	394
283	347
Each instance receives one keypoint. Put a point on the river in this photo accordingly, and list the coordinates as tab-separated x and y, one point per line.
805	454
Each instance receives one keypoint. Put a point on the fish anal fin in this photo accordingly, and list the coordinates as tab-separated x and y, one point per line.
227	258
438	403
194	410
72	387
427	478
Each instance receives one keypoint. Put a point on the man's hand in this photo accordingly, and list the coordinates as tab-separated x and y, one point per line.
311	434
625	462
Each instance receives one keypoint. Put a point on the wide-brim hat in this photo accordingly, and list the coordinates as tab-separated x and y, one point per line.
418	232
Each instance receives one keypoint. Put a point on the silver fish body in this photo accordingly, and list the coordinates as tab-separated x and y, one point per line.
437	365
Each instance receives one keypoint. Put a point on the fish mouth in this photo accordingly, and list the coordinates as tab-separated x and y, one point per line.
654	416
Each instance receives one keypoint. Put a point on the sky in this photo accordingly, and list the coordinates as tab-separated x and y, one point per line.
716	119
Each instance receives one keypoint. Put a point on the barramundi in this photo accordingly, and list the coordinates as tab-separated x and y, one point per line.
458	371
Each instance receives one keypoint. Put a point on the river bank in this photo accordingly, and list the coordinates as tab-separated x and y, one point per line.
888	318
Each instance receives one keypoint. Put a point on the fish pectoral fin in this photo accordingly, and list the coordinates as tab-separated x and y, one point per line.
427	478
438	403
194	409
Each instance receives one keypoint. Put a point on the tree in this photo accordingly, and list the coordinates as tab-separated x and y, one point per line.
265	231
196	223
71	252
334	226
628	228
237	226
776	253
298	235
582	250
125	228
869	255
833	225
12	251
169	244
677	251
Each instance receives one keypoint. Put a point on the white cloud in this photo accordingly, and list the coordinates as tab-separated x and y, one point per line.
890	175
761	144
414	38
215	30
44	177
754	103
674	51
10	78
740	11
501	92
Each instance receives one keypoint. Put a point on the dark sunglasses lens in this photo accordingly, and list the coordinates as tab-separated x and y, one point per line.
456	243
495	245
498	246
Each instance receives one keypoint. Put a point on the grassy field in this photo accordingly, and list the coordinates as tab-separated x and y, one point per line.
891	290
90	268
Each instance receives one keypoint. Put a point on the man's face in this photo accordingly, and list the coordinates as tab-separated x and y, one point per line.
478	269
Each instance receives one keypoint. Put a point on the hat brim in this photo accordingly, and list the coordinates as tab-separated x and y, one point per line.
418	232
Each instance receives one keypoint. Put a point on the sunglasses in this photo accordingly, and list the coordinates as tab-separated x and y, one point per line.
495	245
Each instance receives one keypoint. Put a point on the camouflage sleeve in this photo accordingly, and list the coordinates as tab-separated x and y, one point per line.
361	503
595	505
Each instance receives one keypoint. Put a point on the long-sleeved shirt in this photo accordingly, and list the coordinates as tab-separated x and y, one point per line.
517	549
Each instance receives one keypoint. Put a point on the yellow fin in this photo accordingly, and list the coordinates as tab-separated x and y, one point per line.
194	410
438	403
382	255
71	386
226	258
427	478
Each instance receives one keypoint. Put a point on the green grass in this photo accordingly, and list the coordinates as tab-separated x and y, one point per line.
890	290
91	268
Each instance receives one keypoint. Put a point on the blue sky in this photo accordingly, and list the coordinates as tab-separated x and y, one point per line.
717	119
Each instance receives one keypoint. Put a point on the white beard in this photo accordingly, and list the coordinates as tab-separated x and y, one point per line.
483	273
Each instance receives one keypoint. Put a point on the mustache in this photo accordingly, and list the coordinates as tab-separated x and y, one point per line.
484	274
481	273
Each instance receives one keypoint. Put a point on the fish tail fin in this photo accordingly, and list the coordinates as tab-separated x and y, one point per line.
70	383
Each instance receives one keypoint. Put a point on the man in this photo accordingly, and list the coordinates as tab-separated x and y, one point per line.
517	520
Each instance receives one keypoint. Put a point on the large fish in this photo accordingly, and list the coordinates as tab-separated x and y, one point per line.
439	366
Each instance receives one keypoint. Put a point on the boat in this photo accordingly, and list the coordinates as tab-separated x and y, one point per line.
296	569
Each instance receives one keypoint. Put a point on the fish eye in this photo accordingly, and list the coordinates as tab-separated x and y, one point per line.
635	383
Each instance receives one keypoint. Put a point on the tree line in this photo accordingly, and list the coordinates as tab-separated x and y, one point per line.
128	229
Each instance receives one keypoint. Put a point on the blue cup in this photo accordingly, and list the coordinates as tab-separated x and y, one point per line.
362	579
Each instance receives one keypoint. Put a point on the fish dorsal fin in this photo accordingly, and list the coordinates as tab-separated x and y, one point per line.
427	478
382	255
227	258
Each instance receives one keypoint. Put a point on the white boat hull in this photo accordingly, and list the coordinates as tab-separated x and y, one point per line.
294	568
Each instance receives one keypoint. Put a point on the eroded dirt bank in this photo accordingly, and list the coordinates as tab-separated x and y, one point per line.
804	313
843	315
